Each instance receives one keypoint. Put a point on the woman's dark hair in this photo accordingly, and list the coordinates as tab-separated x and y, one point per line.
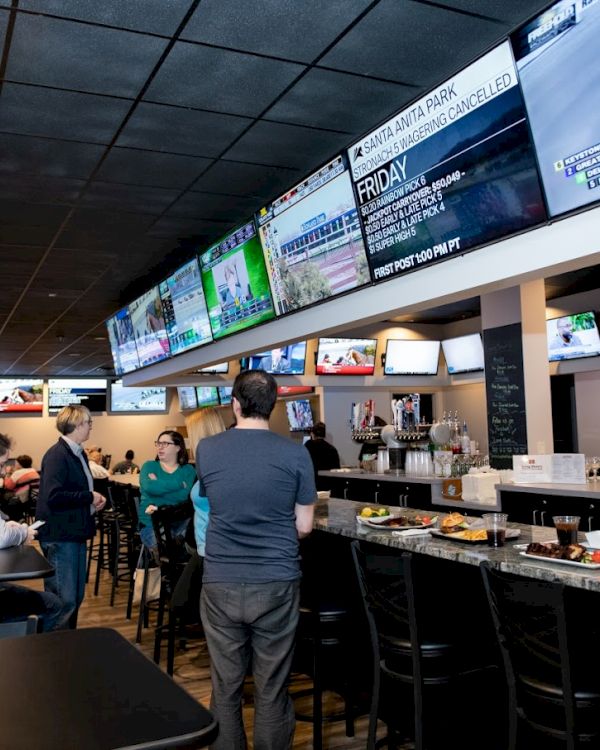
177	438
256	393
5	444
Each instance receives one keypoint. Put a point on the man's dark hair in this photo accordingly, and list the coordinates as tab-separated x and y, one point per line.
25	461
130	455
318	429
5	443
256	393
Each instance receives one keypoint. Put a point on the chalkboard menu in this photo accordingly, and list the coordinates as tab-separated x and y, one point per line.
505	393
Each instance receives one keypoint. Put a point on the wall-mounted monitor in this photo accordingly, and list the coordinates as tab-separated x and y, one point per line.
293	390
312	240
224	394
557	51
149	330
184	309
573	337
207	395
90	392
137	400
463	353
236	283
187	397
21	395
299	415
122	342
453	171
337	356
220	367
284	360
411	357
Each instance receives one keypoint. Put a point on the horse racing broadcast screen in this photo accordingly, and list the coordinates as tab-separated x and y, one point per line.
337	356
90	392
411	357
149	329
21	395
122	342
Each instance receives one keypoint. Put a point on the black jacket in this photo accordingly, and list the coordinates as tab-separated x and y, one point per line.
65	499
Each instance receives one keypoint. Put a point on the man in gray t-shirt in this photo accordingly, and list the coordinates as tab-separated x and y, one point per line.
261	492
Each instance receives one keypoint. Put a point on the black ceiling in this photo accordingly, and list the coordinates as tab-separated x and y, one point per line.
133	131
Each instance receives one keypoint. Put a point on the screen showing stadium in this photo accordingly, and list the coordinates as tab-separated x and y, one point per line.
90	392
21	395
122	342
337	356
207	395
284	360
187	397
149	328
453	171
411	357
136	400
558	51
236	283
184	309
299	415
573	337
463	353
224	394
312	240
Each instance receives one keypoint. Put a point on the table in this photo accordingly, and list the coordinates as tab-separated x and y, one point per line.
23	562
92	689
133	479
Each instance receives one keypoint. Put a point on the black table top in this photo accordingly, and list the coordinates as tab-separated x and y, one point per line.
22	562
92	689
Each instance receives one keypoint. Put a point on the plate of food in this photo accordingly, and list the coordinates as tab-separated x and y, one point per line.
380	517
571	554
457	528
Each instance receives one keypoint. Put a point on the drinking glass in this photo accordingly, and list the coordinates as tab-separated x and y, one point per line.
588	468
566	529
495	527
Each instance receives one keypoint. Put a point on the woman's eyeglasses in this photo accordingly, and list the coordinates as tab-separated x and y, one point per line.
162	443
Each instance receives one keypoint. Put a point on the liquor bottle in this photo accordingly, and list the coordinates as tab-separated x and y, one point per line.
465	441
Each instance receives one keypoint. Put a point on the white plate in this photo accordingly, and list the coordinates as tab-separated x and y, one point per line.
377	524
574	563
510	534
377	519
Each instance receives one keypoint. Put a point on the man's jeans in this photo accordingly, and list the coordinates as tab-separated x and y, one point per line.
68	581
251	623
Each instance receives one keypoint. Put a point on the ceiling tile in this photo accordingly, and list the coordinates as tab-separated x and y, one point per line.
237	178
143	200
39	189
211	206
137	167
92	229
43	156
185	226
512	12
29	224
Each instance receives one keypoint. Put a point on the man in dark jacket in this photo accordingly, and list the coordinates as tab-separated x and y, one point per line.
324	456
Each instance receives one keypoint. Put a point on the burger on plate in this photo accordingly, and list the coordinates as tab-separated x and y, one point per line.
452	522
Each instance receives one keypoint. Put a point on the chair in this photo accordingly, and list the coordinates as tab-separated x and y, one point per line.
19	628
550	661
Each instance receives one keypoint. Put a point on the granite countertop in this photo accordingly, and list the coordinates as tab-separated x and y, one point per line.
360	474
589	491
337	516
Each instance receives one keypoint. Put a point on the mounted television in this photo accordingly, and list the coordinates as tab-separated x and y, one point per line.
136	400
336	356
299	415
312	240
184	309
463	353
573	337
284	360
90	392
293	390
557	51
122	342
149	330
411	357
452	171
207	395
21	395
187	397
221	367
224	394
236	283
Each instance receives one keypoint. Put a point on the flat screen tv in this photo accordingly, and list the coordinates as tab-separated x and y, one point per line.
557	51
224	394
236	283
21	395
90	392
411	357
284	360
220	367
122	342
293	390
136	400
463	353
149	328
187	397
207	395
337	356
452	171
312	239
573	337
184	308
299	415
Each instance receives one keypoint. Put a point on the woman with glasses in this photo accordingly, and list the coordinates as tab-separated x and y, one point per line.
167	480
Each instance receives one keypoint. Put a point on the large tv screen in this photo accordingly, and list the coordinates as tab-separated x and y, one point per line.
293	390
220	367
136	400
411	357
184	309
90	392
312	240
207	395
284	360
558	52
149	328
336	356
122	342
225	392
453	171
463	353
21	395
236	283
573	337
299	415
187	397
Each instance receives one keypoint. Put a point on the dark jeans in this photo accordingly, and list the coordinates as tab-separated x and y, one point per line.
251	622
18	602
68	582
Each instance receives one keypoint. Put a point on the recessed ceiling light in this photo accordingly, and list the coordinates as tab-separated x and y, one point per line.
52	294
74	354
99	338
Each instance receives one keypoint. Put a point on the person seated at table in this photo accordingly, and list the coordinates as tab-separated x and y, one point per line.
324	455
127	466
98	471
17	487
